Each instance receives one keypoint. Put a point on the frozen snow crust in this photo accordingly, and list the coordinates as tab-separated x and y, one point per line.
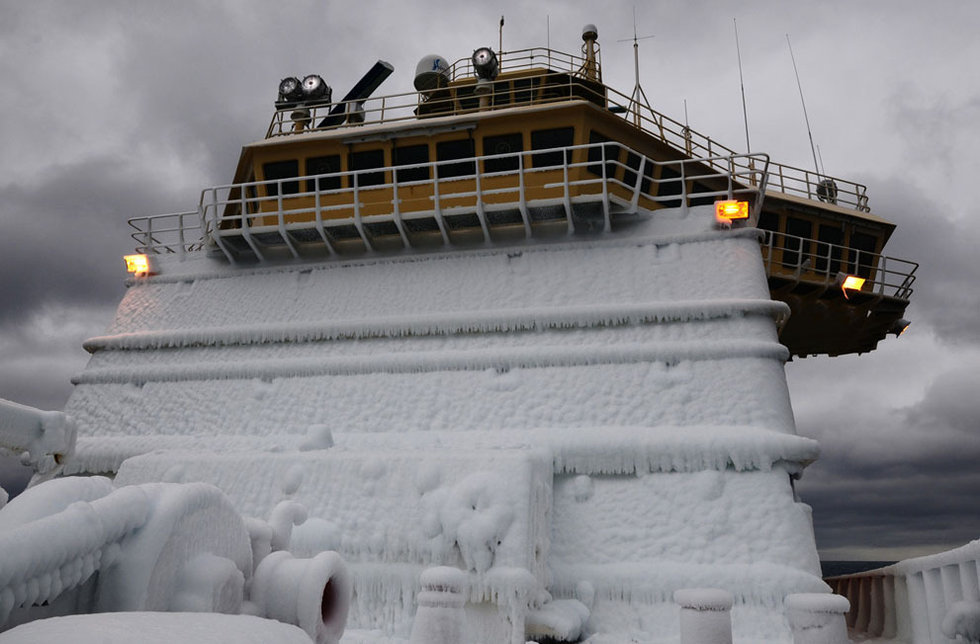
580	425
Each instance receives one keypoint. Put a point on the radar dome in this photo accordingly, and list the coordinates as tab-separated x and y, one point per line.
431	73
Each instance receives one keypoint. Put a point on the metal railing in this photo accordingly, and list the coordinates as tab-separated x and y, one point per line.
173	233
528	59
610	175
547	86
910	600
812	260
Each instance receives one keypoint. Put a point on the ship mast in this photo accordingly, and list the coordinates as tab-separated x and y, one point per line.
638	93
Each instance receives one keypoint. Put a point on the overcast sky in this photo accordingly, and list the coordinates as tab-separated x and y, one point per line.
113	109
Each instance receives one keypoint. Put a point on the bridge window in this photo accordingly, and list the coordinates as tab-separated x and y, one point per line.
323	165
411	155
768	221
524	89
670	184
796	250
596	154
503	144
829	250
501	93
633	165
366	160
554	138
278	170
863	261
460	149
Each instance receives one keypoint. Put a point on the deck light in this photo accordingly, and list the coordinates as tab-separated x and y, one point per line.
139	265
314	88
898	327
485	63
290	90
849	283
727	211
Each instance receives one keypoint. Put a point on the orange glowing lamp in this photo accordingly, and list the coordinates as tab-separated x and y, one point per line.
730	210
851	283
137	264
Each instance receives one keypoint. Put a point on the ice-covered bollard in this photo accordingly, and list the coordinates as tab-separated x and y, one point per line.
313	594
705	615
440	618
817	618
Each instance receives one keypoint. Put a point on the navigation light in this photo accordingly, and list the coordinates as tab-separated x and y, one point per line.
726	211
898	327
139	265
850	283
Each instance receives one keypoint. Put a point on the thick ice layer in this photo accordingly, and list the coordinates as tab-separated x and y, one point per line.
484	512
606	420
750	391
156	628
599	272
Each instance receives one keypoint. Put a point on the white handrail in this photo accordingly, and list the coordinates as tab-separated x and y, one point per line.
801	256
241	209
405	106
910	599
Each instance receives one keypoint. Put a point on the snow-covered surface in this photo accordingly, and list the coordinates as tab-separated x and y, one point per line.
43	440
963	621
156	628
579	425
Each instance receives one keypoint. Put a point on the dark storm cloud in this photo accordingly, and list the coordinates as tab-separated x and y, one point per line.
893	478
943	237
64	241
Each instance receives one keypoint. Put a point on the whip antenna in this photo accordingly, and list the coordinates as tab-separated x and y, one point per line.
805	117
745	113
638	93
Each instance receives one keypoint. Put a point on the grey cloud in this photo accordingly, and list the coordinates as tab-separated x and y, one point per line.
890	478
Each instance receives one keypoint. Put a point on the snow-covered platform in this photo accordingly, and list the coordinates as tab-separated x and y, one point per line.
600	419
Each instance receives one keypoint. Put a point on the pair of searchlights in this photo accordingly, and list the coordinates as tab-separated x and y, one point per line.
294	92
312	90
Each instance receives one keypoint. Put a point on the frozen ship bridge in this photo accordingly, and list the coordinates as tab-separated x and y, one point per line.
518	329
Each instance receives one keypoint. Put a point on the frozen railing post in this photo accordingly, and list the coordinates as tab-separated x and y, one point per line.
817	618
43	440
440	618
705	615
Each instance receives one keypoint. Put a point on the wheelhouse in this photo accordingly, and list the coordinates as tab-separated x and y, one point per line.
534	144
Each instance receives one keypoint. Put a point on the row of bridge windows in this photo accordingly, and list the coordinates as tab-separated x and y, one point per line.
403	158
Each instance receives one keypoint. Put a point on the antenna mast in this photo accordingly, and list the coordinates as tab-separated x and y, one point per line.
805	117
500	44
741	81
638	92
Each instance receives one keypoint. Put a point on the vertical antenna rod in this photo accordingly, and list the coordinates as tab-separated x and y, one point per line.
638	93
805	117
745	113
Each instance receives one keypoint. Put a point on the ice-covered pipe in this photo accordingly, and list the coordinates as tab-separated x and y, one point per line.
817	618
313	594
440	618
284	516
43	439
705	615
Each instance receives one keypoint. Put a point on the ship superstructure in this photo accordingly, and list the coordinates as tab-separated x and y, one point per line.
511	323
